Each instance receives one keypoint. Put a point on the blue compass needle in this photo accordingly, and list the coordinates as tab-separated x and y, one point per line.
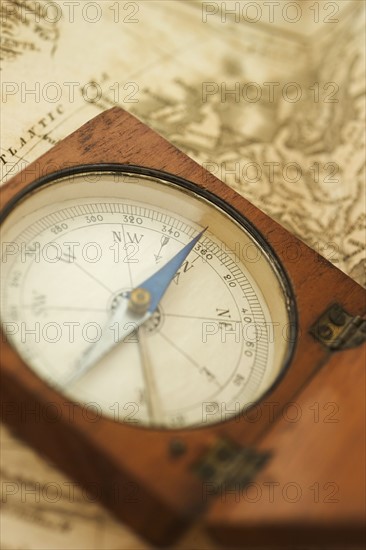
135	308
158	283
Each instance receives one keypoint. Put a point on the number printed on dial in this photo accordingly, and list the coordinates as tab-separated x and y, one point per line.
72	251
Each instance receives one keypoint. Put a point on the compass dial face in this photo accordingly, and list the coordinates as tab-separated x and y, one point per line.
220	337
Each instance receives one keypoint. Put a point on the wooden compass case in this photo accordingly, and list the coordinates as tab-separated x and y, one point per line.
288	472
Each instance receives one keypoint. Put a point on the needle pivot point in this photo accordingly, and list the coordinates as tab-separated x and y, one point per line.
140	300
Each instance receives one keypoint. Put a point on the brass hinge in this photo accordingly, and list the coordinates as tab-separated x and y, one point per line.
227	465
338	330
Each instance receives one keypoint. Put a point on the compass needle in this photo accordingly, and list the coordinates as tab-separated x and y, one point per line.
153	399
128	314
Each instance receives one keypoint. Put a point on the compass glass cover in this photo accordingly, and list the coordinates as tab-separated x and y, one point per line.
220	337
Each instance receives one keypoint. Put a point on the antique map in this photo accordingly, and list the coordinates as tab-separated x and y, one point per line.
269	96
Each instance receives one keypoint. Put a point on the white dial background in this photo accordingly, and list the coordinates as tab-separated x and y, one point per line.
216	342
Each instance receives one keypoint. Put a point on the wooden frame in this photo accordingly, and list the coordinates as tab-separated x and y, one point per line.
168	492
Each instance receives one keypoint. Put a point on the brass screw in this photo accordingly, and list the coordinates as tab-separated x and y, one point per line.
337	316
140	300
325	332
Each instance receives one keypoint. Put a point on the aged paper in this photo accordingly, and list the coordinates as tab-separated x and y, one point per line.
269	98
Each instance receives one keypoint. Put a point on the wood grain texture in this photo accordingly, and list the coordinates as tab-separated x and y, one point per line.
317	473
168	489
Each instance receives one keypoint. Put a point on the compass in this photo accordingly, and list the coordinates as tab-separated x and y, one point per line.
83	243
164	311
